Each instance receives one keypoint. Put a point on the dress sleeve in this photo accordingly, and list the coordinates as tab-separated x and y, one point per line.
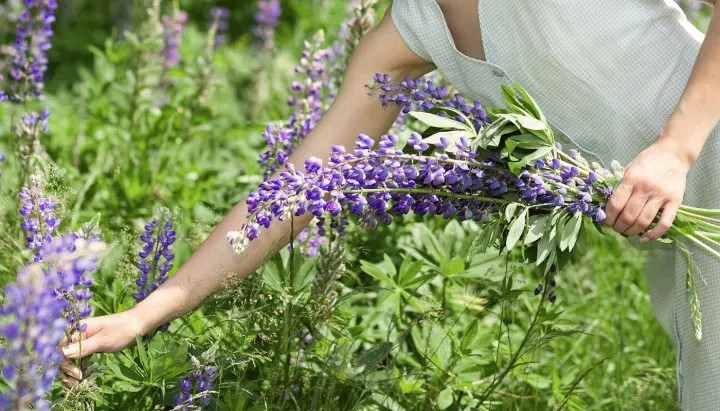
407	15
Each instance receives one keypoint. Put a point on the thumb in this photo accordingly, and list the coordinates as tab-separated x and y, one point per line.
82	348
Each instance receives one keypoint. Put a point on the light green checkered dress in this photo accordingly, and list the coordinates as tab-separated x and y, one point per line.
607	75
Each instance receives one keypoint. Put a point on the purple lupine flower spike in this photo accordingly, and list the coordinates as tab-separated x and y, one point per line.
156	256
33	37
173	27
39	220
219	19
307	99
266	19
34	316
196	388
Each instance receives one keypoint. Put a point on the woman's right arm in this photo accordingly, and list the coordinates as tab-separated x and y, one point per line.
353	112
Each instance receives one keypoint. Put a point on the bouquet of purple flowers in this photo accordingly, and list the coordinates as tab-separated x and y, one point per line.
501	168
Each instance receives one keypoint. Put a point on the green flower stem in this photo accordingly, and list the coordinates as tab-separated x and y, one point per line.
557	184
429	191
702	245
714	236
701	211
705	224
572	161
700	217
710	241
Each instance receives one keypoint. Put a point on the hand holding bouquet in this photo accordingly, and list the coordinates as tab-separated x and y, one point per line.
501	168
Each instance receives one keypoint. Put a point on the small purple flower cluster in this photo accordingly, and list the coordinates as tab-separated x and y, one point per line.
196	388
219	21
423	95
156	255
309	241
32	319
32	40
266	19
309	103
75	258
39	220
552	297
173	28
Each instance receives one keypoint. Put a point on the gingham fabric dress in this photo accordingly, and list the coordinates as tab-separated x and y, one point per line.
607	75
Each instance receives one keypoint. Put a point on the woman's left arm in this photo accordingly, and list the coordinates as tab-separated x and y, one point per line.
655	180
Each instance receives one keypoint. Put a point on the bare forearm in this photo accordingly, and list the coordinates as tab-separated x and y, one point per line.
698	110
353	112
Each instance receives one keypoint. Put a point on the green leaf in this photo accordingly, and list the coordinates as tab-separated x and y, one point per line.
122	386
510	211
536	229
570	232
408	272
434	120
142	353
375	272
455	266
374	356
529	103
445	398
516	230
546	245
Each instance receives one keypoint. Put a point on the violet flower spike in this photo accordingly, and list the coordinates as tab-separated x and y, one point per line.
308	99
33	38
156	256
39	221
33	318
266	19
219	20
197	388
173	27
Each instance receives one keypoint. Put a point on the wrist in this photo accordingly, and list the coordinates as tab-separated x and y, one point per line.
678	145
137	321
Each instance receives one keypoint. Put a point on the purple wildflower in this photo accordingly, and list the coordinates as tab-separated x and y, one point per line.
310	240
33	37
266	19
173	28
423	95
74	259
155	258
219	23
196	388
32	320
445	179
39	220
309	103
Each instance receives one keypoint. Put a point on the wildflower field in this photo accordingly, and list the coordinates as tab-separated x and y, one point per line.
129	129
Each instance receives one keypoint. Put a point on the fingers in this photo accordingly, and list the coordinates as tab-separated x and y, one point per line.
631	212
618	199
67	382
646	217
666	220
70	370
83	349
